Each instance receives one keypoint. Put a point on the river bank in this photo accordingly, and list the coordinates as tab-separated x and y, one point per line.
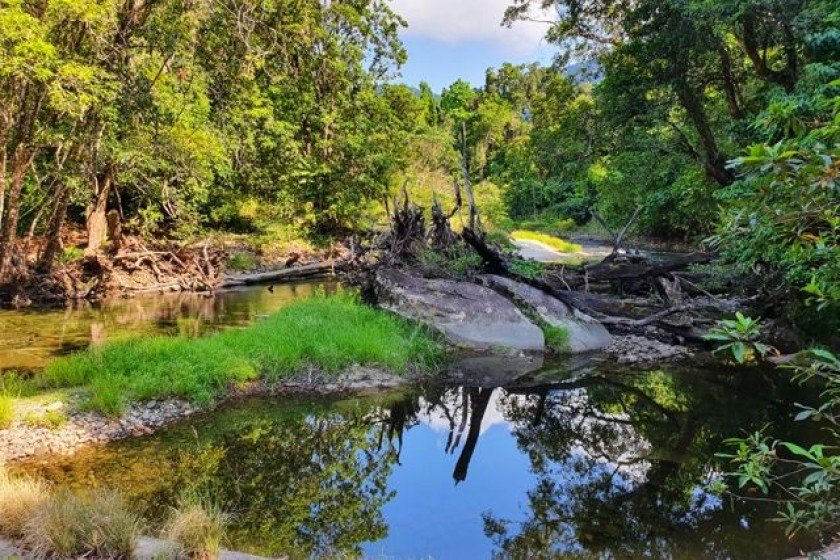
82	428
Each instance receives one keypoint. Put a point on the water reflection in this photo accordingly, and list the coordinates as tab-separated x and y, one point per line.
31	337
598	464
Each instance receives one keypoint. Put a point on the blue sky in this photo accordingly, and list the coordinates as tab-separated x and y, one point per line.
451	39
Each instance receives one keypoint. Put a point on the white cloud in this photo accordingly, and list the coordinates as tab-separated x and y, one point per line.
455	21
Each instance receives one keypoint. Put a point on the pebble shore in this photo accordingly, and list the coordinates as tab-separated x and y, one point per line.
22	441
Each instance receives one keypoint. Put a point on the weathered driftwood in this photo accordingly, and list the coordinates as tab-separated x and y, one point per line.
632	269
440	235
406	238
283	274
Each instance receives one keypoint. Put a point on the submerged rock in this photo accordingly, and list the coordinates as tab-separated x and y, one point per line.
492	370
585	333
469	315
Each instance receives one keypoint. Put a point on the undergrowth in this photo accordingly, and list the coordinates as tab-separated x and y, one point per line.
527	268
329	333
242	262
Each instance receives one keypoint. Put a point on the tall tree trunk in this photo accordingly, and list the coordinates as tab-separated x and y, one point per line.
730	85
713	160
96	221
53	233
785	77
8	232
465	168
3	157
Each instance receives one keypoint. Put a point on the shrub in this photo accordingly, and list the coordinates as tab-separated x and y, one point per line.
242	261
456	262
74	525
803	481
780	220
739	336
196	527
19	497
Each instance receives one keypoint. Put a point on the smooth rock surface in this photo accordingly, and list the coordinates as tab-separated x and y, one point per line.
469	315
151	549
585	333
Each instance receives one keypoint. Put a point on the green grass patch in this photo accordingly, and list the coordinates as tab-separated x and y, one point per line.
51	419
527	269
554	242
457	263
327	332
556	338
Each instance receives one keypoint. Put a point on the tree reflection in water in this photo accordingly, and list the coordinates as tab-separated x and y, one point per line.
300	480
622	462
617	466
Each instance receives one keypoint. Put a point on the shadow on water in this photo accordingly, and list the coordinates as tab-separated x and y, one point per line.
555	464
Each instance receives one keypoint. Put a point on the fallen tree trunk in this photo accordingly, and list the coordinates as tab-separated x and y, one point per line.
635	269
562	287
283	274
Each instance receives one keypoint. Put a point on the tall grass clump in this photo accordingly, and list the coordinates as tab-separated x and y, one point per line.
19	497
196	528
7	411
556	338
326	332
12	385
554	242
70	525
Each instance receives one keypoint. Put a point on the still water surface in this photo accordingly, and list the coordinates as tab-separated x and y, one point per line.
594	465
570	461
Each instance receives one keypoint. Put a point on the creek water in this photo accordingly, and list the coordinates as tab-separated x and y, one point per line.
33	336
573	460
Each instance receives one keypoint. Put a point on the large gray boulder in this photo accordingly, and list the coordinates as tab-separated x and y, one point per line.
585	333
469	315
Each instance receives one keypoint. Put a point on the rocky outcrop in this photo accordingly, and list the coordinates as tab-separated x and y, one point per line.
585	333
467	314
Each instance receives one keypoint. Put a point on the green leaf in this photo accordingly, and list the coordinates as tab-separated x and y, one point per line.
739	351
797	450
